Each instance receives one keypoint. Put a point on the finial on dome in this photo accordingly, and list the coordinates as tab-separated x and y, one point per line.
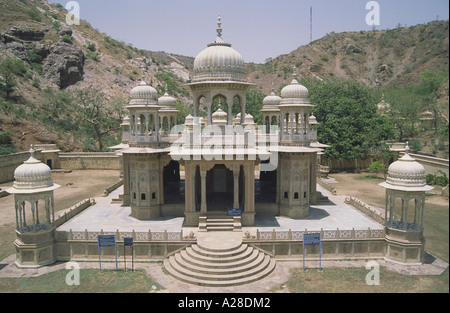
219	28
295	74
32	150
407	147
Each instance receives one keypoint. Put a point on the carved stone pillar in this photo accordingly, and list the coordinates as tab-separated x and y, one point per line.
236	189
203	191
251	188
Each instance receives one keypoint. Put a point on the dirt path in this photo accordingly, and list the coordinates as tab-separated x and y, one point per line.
75	187
365	187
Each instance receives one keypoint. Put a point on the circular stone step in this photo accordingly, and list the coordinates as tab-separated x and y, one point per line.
219	241
219	259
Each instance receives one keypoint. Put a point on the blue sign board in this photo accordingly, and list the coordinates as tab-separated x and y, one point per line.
128	242
106	241
311	239
234	212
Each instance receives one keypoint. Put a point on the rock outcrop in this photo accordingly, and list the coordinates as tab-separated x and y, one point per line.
64	64
28	33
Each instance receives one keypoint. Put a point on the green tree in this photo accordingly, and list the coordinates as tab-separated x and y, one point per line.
93	109
404	110
377	167
348	122
9	69
6	143
408	102
254	98
57	103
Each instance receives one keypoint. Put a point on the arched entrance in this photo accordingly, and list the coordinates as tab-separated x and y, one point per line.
219	188
173	185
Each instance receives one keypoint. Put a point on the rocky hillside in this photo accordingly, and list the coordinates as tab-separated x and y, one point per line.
376	58
71	58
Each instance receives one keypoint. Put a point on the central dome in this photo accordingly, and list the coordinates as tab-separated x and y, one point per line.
219	62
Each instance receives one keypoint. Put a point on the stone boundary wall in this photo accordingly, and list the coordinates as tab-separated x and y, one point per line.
336	244
64	216
331	249
148	246
9	163
342	165
90	161
431	164
155	246
366	209
73	161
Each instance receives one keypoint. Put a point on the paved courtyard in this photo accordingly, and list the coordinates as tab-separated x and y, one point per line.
111	217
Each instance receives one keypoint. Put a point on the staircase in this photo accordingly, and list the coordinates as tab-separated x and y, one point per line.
219	259
219	223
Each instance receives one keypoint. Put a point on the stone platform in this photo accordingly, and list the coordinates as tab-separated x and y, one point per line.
327	216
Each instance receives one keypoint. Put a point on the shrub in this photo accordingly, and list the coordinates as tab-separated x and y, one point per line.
67	38
377	167
35	58
35	15
440	178
57	26
36	83
91	47
93	55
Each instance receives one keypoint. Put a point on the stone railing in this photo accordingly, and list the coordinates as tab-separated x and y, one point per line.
113	187
148	236
63	216
327	186
366	209
337	234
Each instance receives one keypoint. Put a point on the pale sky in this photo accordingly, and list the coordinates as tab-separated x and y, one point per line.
258	29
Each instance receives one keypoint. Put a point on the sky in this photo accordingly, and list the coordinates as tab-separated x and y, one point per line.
258	29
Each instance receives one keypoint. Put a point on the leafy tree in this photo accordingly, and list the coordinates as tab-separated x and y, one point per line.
6	143
348	122
57	103
408	102
404	110
254	105
92	108
377	167
431	81
9	69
